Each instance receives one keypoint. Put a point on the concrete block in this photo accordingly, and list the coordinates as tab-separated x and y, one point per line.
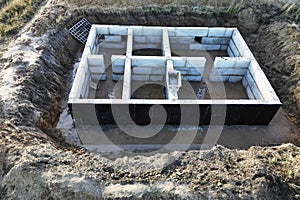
179	61
225	41
235	79
242	63
181	40
192	31
229	71
249	93
96	69
228	32
147	61
171	31
137	30
85	86
223	47
116	77
256	92
142	70
97	60
117	30
253	67
102	29
146	46
83	66
215	40
112	45
196	47
158	70
264	86
229	51
111	38
140	77
211	47
156	78
223	62
139	39
211	40
216	32
118	69
195	62
239	41
193	78
234	49
247	54
118	60
154	39
196	71
249	78
245	82
218	78
157	31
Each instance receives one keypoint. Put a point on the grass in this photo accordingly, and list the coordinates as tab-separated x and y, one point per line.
235	7
15	14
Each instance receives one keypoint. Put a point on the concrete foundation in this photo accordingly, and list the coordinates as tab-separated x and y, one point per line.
238	67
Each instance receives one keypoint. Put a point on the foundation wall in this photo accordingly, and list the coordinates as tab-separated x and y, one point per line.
239	66
241	114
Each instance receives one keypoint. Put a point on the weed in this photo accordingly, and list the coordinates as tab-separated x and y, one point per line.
235	7
15	14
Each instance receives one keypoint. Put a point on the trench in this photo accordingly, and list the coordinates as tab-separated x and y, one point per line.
280	130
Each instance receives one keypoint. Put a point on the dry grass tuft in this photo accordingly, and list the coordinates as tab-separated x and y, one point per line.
15	14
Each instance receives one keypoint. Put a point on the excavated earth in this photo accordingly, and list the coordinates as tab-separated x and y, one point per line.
38	161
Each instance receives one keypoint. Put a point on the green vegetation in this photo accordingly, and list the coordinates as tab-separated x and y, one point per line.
235	7
15	14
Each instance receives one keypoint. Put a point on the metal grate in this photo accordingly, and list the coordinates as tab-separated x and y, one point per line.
81	30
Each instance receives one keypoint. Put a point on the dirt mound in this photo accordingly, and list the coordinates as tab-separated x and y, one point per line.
277	48
35	76
35	169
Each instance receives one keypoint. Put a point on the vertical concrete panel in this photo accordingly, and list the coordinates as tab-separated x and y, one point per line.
126	92
234	49
129	42
249	93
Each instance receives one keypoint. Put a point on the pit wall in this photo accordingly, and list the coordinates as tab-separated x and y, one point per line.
239	66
